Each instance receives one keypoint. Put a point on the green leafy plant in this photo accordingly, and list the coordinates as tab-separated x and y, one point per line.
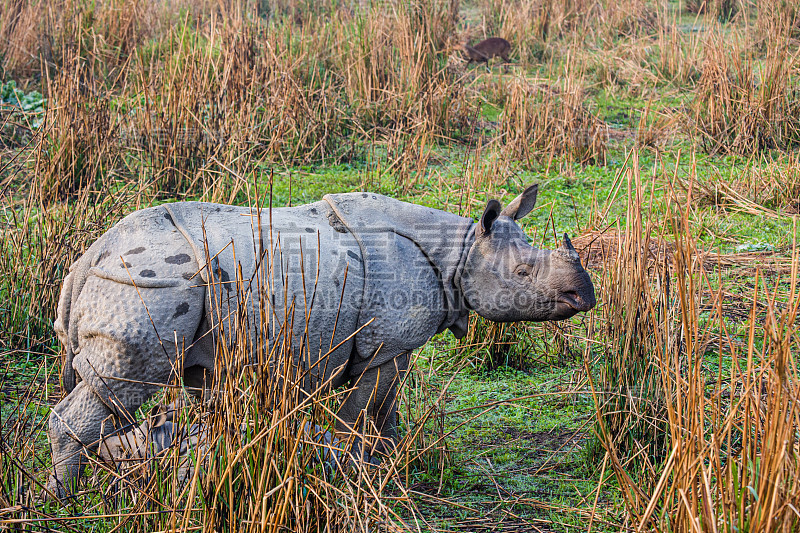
21	113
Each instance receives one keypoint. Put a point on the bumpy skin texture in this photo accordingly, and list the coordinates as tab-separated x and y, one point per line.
124	339
155	283
363	280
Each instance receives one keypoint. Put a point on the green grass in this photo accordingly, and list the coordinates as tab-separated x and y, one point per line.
530	450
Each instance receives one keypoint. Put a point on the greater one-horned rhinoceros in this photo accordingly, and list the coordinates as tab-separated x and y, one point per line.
358	280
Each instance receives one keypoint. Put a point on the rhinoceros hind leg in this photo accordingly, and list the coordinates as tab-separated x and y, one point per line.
75	424
197	380
374	392
77	421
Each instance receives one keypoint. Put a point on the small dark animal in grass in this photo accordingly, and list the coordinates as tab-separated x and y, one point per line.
486	50
360	280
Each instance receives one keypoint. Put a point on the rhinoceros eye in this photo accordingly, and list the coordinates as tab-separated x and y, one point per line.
523	270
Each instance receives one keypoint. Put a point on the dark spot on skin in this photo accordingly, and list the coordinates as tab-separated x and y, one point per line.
177	259
135	251
313	210
181	310
335	223
374	197
102	256
336	281
310	230
147	273
351	253
364	195
187	275
218	209
169	218
125	264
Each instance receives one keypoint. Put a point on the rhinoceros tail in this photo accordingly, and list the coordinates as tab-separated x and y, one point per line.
66	324
61	327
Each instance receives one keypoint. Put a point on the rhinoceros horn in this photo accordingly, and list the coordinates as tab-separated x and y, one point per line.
567	251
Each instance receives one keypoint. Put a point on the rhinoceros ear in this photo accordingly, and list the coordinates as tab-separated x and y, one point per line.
159	415
490	214
522	204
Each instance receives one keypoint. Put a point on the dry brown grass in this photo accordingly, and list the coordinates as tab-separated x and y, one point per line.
774	17
19	46
534	26
541	122
216	87
692	445
77	150
744	107
769	188
634	285
679	56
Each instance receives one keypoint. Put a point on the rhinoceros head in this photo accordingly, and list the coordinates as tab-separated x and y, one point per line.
505	279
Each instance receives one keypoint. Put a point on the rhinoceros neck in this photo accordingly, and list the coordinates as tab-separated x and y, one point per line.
469	240
443	238
460	324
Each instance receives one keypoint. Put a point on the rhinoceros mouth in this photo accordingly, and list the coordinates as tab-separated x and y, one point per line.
574	300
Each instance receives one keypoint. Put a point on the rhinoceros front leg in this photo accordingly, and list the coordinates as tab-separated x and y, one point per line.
75	423
373	399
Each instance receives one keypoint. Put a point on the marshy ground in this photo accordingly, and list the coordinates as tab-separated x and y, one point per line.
664	136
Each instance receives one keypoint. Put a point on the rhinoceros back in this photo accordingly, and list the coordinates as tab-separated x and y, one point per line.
320	266
294	264
384	246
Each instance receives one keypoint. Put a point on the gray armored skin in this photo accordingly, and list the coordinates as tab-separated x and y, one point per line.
356	282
